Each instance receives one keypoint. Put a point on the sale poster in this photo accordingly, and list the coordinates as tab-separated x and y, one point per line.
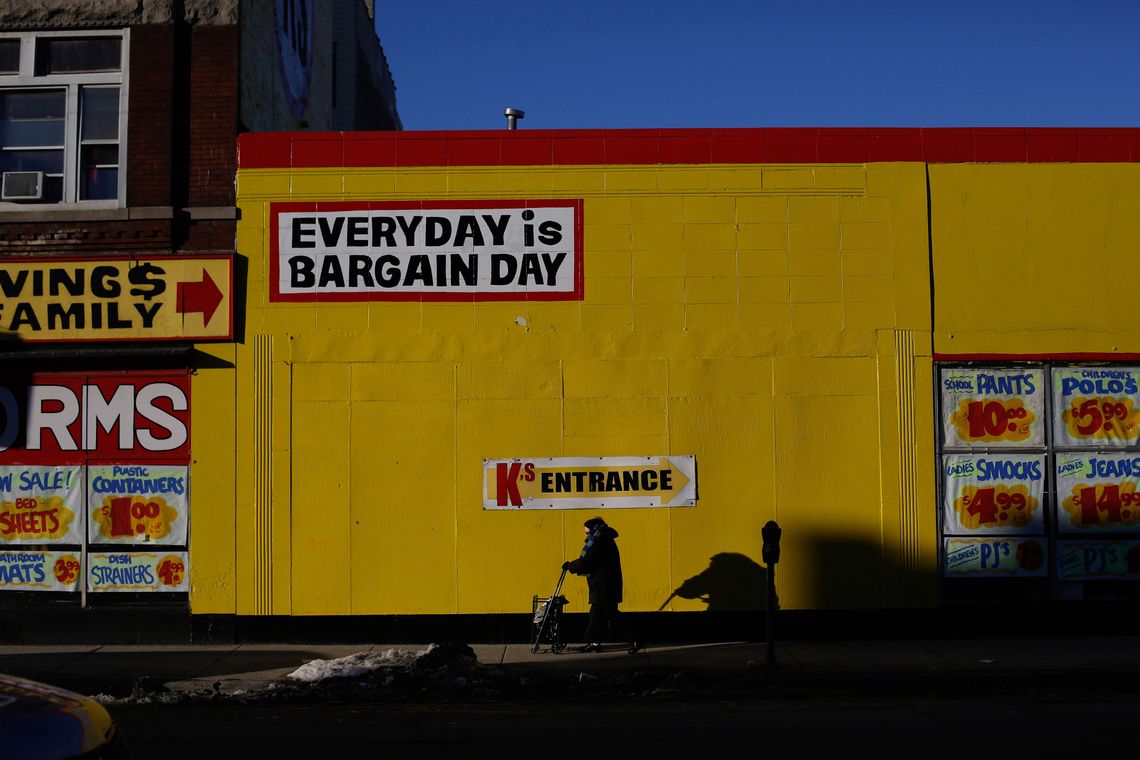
993	493
993	407
41	504
995	557
1097	493
39	571
1092	560
137	571
134	504
1096	406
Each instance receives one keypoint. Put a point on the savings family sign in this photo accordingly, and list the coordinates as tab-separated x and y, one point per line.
498	250
147	298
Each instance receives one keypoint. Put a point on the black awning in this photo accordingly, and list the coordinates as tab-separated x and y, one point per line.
89	351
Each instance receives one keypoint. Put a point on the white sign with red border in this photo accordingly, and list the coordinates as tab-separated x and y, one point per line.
499	250
589	482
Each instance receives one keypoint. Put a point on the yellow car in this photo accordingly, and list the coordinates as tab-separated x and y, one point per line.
41	722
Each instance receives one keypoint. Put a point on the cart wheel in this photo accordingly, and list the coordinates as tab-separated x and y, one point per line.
558	648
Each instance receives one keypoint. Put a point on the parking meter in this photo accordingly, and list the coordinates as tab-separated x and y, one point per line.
771	535
770	553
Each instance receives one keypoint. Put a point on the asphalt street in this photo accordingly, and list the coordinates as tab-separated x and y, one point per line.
1035	697
1052	728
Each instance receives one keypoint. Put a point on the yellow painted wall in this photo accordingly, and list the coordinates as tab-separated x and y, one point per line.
214	477
1034	258
772	321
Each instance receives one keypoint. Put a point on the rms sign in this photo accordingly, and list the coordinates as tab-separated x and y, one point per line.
61	418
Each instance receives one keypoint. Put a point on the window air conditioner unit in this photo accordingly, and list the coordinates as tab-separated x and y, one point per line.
23	186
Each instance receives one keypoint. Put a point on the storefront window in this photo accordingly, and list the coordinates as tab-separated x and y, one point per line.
99	143
33	136
72	55
61	119
94	485
1040	474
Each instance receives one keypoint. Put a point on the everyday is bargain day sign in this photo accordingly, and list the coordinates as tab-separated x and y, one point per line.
498	250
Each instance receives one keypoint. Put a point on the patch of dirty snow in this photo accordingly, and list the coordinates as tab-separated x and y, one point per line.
356	664
110	700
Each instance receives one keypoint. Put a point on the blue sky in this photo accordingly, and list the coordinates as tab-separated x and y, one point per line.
734	63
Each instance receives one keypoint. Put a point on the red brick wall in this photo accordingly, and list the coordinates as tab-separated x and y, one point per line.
149	120
209	235
182	126
151	235
213	115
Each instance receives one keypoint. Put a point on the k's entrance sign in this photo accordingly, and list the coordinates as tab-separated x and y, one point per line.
589	482
146	298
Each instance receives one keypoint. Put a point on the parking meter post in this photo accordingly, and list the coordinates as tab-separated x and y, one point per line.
770	617
771	556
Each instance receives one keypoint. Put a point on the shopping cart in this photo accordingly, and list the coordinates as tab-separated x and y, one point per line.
546	616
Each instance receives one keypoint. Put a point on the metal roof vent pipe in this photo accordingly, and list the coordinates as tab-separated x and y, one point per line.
513	115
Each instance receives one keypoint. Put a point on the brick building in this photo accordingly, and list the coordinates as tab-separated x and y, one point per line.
131	113
118	130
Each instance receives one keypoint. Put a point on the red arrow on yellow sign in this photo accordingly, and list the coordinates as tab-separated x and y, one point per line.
202	296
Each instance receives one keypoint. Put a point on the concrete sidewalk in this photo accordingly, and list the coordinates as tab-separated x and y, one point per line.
246	668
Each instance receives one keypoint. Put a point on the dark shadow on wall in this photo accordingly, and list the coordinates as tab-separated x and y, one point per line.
731	583
240	294
849	574
15	379
733	589
856	589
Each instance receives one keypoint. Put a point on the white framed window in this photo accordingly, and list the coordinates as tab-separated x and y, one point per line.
63	118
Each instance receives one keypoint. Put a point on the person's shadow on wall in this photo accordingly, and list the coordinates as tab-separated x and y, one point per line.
731	583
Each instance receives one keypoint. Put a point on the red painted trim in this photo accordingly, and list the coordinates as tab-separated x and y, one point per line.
1077	356
276	209
283	150
318	149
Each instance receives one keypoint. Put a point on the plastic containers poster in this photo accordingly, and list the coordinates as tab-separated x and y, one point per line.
137	504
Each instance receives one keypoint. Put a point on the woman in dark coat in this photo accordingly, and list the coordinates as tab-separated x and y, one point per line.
600	562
